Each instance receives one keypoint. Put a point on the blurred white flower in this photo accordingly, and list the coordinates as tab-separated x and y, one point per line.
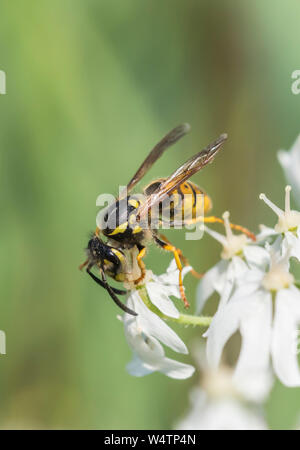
146	331
223	276
290	162
250	310
221	403
219	414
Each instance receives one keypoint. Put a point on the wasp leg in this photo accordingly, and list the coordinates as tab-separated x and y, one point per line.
102	284
141	264
170	248
183	258
214	219
114	297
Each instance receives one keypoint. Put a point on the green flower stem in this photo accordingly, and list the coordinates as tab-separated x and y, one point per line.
183	319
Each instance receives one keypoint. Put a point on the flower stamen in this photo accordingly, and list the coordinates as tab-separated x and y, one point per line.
287	199
288	220
232	244
271	205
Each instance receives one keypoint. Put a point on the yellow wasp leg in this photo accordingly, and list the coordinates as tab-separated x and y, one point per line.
170	248
214	219
174	250
183	259
141	265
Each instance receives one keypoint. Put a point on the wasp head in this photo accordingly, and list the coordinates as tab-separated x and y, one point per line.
95	249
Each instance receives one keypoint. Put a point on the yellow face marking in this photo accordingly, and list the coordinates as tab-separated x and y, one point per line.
137	229
107	263
120	229
133	203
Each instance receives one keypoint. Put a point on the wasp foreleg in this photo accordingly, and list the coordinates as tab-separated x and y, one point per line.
114	297
140	256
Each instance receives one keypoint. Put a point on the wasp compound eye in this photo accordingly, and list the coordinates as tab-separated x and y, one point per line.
95	247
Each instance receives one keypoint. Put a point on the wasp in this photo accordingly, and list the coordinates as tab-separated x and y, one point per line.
110	248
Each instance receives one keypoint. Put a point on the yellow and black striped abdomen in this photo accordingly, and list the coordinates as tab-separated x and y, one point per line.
190	202
184	205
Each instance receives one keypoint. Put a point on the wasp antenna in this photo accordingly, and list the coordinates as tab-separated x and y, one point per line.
118	302
102	284
114	297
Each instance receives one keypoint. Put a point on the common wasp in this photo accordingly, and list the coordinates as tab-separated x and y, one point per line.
125	223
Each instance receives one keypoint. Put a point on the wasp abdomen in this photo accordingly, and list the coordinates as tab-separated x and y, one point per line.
183	205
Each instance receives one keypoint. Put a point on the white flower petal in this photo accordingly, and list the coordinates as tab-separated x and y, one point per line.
231	415
265	233
250	281
206	287
291	245
171	277
224	324
145	347
138	368
238	267
153	325
198	400
254	357
236	270
257	256
285	334
227	291
159	296
224	414
176	369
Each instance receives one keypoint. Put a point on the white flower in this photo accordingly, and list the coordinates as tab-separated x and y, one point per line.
250	310
287	226
221	403
223	275
146	331
226	414
290	162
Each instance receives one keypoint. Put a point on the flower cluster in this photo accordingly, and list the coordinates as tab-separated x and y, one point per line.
261	300
220	402
146	332
258	296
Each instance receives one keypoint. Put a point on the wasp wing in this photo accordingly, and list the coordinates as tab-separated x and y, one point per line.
189	168
171	138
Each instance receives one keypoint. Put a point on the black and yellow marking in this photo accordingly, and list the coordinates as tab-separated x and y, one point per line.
184	204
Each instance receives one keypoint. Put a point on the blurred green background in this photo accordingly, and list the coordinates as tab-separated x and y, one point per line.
91	86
